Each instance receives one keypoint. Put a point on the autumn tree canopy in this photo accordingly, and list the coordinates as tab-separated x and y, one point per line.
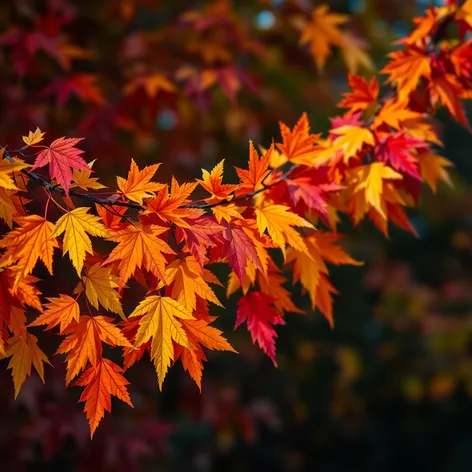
143	251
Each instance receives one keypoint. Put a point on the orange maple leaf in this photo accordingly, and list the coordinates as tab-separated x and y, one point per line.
62	310
363	94
199	333
406	68
83	342
213	183
138	185
298	144
139	247
168	204
31	241
253	178
101	381
322	32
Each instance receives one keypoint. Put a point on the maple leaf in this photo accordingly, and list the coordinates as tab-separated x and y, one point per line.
405	69
83	180
253	178
101	381
200	236
371	183
24	352
83	342
188	279
256	309
272	285
10	205
168	205
279	222
62	156
309	191
349	140
139	247
31	241
160	320
445	88
138	185
309	267
433	168
199	333
7	168
151	84
240	247
27	293
425	26
398	149
100	287
213	182
112	219
76	224
363	94
227	212
298	144
62	310
17	322
83	86
322	32
34	137
394	114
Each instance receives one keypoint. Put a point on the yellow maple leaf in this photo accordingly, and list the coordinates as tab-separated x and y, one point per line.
371	183
160	320
322	32
100	287
279	222
34	137
81	178
6	169
76	224
24	352
433	168
188	281
138	185
348	140
227	212
32	240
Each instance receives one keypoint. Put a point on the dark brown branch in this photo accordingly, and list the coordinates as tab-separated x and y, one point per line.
136	206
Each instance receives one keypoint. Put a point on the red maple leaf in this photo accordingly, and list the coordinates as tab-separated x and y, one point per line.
62	157
396	149
256	309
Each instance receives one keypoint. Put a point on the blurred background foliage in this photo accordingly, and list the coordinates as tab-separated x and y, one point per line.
390	388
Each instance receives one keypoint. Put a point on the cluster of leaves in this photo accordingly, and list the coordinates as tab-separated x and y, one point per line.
372	164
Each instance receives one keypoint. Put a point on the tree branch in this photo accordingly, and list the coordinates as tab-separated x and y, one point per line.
136	206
